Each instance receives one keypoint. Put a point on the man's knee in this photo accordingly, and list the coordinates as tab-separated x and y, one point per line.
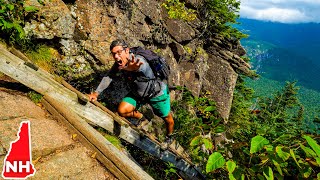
125	108
121	111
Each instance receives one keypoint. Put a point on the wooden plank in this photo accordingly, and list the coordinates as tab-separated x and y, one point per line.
128	167
84	98
16	68
100	156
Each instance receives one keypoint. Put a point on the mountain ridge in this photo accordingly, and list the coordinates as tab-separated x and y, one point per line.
278	57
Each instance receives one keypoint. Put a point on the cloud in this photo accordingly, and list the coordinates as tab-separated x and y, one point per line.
284	11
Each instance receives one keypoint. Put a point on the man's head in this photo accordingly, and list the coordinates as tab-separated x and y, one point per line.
120	52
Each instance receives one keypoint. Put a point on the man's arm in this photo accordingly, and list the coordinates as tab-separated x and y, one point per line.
104	84
134	64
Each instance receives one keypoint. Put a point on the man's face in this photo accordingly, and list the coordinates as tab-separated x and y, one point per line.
120	55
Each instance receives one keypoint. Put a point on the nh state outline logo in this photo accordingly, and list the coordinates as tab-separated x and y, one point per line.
18	161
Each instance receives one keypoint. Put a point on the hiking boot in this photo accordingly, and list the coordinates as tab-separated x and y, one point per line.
167	142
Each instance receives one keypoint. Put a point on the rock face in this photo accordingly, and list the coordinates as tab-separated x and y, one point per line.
54	20
85	29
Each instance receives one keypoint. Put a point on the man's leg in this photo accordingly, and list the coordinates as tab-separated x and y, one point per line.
169	124
126	109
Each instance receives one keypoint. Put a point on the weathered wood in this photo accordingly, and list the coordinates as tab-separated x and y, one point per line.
81	96
129	168
45	84
100	156
19	54
84	98
38	80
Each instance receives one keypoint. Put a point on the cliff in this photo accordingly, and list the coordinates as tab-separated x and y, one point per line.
82	31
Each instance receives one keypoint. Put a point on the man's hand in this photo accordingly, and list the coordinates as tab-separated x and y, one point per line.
93	96
133	64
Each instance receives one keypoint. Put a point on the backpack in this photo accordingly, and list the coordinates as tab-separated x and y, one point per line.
158	64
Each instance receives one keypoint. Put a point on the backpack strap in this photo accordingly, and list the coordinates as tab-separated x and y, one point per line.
146	53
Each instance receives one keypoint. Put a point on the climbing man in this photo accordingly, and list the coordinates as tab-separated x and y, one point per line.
145	87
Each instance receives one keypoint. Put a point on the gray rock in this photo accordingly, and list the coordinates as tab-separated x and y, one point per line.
72	164
55	21
180	30
46	135
220	80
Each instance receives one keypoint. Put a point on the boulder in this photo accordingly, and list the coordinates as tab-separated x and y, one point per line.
220	81
54	20
180	30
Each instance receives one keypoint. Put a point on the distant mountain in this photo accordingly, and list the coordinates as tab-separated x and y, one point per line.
303	39
284	52
282	65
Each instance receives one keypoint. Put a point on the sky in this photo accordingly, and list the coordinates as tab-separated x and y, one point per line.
284	11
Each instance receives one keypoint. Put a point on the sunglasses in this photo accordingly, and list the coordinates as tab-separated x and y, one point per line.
118	52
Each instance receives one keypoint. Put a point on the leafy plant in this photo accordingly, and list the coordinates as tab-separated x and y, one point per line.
177	10
271	162
215	161
12	19
218	16
34	96
267	135
196	123
170	170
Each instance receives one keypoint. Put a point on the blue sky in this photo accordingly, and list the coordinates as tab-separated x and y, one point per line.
284	11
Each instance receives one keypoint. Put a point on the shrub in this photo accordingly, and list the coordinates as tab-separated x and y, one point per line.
12	18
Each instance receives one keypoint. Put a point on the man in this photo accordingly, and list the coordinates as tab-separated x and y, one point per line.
145	88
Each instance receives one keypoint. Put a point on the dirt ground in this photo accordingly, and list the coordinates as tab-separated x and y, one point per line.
55	154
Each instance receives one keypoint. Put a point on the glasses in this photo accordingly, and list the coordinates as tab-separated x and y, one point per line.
118	52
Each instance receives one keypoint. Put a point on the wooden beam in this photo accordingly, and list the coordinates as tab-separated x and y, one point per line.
84	98
100	156
126	165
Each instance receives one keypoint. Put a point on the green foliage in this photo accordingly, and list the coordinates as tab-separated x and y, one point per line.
111	138
277	149
177	10
196	121
41	55
269	162
268	135
215	161
34	96
171	169
231	166
313	145
218	16
241	111
257	143
12	19
268	174
278	120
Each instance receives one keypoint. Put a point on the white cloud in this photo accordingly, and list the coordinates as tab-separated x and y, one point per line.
285	11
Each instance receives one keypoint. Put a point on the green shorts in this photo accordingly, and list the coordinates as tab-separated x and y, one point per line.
159	104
